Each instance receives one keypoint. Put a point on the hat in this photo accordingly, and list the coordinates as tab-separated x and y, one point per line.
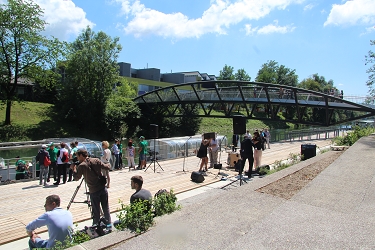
142	137
51	144
44	146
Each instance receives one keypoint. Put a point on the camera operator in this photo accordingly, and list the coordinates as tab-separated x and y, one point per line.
91	169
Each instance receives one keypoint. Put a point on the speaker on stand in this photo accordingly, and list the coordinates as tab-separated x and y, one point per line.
154	134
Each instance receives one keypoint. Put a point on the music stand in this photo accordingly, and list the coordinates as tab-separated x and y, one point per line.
220	165
154	160
186	151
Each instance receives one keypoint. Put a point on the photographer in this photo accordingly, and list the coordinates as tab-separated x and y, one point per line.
91	169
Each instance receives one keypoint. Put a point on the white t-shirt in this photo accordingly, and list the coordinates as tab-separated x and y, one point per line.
62	150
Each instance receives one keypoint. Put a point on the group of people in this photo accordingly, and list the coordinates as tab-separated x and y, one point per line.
208	149
56	161
252	147
60	221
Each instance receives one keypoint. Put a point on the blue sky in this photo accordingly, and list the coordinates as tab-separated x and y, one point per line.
328	37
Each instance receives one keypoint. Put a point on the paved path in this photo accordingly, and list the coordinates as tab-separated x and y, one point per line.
336	210
23	201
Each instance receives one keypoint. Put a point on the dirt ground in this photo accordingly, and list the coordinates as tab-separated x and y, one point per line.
290	185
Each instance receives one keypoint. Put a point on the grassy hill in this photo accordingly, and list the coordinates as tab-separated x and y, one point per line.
36	121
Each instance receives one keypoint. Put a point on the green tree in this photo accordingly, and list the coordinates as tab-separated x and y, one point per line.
241	75
121	113
310	84
91	76
25	53
370	59
272	72
227	73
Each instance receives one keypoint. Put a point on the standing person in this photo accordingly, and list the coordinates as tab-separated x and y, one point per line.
44	169
106	157
73	154
267	136
249	136
58	221
213	151
90	169
119	145
115	154
142	151
130	153
257	141
247	154
62	166
235	139
53	157
202	154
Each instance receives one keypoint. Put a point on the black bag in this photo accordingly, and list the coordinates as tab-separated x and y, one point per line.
21	167
218	166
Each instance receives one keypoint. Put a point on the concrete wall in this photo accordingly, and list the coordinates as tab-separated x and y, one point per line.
149	74
125	69
177	78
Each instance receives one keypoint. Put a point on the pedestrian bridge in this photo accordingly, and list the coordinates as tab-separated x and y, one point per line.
254	100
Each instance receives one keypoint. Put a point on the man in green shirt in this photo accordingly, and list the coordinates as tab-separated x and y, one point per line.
21	168
53	157
142	151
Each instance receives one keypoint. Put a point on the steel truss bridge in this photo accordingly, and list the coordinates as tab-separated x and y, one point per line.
254	100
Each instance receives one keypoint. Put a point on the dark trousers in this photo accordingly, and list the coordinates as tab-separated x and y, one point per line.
53	169
117	158
100	198
250	158
62	171
120	160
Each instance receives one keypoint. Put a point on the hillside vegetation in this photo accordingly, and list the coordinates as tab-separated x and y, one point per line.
36	121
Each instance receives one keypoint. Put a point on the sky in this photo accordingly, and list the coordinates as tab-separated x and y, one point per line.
327	37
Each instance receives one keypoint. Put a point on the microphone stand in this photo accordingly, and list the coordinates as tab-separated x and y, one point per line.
185	153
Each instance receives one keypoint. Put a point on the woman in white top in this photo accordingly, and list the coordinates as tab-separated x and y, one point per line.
105	158
130	153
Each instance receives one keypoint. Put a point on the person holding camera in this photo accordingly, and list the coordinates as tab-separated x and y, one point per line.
91	170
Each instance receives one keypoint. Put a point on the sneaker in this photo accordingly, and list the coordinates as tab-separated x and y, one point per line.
56	183
40	183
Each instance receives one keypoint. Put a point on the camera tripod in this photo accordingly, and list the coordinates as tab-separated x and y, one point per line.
154	160
95	230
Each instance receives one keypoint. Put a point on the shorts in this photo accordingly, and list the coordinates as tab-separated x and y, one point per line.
142	157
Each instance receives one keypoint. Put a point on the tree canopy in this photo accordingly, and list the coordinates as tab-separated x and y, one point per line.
272	72
25	53
91	75
370	59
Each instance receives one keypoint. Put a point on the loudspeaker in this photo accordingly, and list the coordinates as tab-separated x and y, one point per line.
209	135
218	166
197	177
239	125
308	151
154	131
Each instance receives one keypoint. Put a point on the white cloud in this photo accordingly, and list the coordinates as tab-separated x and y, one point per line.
268	29
308	7
216	19
350	13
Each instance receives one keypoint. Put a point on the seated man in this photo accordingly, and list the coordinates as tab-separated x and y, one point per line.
21	169
140	193
58	221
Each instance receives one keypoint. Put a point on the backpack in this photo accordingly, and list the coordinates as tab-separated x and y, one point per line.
47	161
65	157
21	167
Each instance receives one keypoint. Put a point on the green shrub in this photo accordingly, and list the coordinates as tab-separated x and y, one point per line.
352	136
137	217
165	203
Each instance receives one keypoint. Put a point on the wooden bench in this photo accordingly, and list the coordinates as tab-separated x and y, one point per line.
339	148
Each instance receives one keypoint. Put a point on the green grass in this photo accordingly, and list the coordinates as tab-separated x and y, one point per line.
28	113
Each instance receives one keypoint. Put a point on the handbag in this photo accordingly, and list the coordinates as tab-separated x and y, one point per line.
47	161
102	179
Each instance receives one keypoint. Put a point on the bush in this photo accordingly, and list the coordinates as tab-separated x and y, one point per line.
353	136
165	203
139	216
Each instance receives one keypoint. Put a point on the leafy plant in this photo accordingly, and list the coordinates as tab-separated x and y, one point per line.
137	217
165	203
351	137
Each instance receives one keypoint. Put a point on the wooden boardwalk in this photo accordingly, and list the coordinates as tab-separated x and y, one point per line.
22	202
